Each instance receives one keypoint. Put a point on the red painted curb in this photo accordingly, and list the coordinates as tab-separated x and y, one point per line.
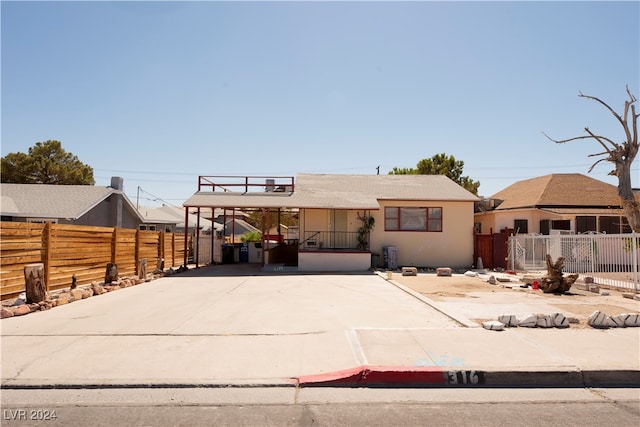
363	376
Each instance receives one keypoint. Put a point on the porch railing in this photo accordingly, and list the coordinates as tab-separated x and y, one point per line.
613	258
329	240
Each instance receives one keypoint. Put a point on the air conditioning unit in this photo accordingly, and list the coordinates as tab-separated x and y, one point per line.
270	185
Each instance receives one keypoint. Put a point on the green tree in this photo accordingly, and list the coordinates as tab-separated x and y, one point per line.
441	164
45	163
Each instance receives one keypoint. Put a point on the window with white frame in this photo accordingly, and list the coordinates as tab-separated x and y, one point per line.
412	219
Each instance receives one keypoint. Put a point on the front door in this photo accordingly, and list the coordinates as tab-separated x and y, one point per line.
338	227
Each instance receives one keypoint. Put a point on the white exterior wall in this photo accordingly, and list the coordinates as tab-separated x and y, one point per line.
334	261
453	247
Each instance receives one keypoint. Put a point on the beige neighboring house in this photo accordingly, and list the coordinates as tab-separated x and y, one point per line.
555	203
420	220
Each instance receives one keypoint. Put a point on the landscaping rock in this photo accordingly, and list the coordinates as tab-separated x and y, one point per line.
76	294
559	320
509	320
632	320
544	321
493	325
20	310
5	313
443	271
97	288
64	298
528	321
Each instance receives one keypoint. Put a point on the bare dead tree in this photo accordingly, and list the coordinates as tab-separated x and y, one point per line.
620	154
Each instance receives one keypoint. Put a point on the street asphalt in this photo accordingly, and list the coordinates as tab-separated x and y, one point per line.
222	326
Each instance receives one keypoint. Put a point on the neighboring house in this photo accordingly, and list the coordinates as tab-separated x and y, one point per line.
69	204
171	219
544	205
234	228
420	220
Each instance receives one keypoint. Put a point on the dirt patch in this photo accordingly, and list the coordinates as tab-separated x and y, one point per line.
481	301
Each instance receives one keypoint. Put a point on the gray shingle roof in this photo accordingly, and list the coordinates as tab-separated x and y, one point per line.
342	192
51	201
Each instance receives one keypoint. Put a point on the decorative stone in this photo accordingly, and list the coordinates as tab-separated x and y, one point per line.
559	320
5	313
509	320
492	280
443	271
528	321
111	273
493	325
409	271
632	320
36	288
21	310
97	288
544	321
64	298
76	294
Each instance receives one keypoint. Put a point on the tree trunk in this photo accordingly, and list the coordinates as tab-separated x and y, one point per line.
111	275
627	197
555	282
35	285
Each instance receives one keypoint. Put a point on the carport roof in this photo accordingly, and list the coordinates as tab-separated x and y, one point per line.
331	191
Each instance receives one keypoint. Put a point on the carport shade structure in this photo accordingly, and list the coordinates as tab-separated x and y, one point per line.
275	192
239	192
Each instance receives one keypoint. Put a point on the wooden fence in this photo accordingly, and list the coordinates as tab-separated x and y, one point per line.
83	251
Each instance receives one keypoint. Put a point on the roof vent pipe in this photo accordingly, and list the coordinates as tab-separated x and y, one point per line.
117	183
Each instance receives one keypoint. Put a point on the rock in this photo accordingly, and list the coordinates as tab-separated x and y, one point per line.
64	298
471	273
87	293
573	320
493	325
544	321
76	294
559	320
528	321
594	288
604	293
619	320
409	271
628	295
20	310
5	313
492	280
509	320
588	280
597	319
97	288
632	320
443	271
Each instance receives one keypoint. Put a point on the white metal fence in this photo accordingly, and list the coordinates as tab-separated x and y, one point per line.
611	258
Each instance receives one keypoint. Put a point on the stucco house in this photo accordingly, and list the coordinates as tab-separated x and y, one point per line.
69	204
422	220
553	203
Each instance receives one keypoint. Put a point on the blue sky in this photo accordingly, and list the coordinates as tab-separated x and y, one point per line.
161	92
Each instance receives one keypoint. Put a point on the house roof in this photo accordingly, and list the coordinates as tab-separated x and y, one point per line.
331	191
559	190
53	201
173	215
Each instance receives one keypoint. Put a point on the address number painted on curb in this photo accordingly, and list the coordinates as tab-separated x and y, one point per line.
464	377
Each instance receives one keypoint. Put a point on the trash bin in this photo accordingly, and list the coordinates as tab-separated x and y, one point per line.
244	252
227	254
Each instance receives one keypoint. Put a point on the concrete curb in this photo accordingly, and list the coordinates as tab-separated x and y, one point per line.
424	377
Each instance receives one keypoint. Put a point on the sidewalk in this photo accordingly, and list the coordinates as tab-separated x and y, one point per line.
206	329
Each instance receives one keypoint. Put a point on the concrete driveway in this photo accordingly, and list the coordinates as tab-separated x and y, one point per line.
201	327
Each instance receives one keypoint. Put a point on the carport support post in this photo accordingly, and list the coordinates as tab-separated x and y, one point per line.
196	255
186	233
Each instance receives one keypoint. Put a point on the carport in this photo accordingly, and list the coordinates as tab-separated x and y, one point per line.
263	193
